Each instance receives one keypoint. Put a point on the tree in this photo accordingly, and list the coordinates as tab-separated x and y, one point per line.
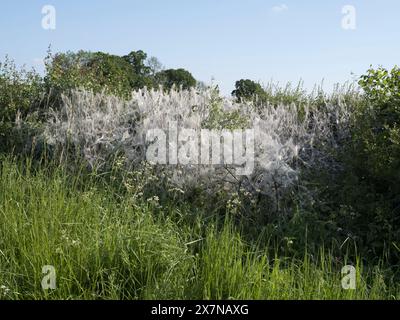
137	59
248	90
94	71
98	71
155	65
176	77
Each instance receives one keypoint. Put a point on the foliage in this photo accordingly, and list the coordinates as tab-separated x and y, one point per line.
180	78
137	60
154	65
108	245
100	126
326	170
379	124
246	89
371	180
21	93
93	71
223	118
98	71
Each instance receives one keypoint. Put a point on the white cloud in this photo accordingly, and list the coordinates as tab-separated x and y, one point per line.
280	8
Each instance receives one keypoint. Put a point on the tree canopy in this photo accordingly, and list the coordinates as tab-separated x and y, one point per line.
118	75
176	77
246	89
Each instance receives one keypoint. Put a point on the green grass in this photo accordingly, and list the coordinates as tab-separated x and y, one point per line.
105	245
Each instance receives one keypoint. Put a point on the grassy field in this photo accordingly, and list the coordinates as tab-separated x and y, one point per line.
108	245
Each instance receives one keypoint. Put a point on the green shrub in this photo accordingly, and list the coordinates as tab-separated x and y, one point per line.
21	94
116	75
379	122
368	190
224	119
93	71
248	90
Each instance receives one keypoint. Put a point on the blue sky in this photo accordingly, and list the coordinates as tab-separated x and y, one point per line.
227	40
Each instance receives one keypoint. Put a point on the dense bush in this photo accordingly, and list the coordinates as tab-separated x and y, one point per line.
379	125
26	97
93	71
275	94
325	164
287	140
371	183
356	197
21	96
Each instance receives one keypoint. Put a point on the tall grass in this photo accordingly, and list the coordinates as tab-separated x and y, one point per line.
105	245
